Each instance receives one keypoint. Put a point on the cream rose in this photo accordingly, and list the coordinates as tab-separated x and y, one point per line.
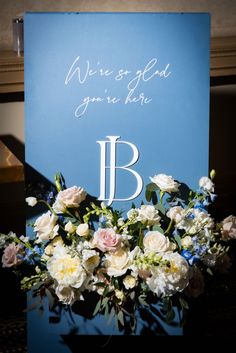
176	213
206	184
155	241
70	227
117	263
165	183
69	198
46	227
129	282
149	214
106	239
83	230
10	257
228	228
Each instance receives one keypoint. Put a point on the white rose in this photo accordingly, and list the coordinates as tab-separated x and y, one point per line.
155	241
66	295
118	262
186	242
46	227
31	201
176	213
149	214
129	282
166	280
70	227
206	184
83	230
165	183
228	228
69	198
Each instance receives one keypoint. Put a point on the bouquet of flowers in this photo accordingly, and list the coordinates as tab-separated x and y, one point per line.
159	252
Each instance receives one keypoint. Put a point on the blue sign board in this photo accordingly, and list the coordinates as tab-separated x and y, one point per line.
114	98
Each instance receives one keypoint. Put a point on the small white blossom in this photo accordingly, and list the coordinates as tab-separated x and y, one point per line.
31	201
206	184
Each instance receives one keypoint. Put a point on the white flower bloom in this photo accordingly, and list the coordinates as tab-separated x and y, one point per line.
228	228
166	280
195	221
46	227
65	269
70	227
120	222
90	259
133	214
31	201
155	241
206	184
117	263
49	250
129	282
165	183
176	213
149	214
69	198
24	239
120	295
186	242
66	295
83	230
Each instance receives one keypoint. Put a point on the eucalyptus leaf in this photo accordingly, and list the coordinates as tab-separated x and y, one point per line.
158	228
160	208
151	187
97	308
120	317
178	240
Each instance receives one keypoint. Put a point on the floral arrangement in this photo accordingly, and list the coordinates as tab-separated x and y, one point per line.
160	251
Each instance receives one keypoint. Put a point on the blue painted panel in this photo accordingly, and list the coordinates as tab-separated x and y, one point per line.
141	76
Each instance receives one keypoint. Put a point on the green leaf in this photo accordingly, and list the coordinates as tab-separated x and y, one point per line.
106	290
104	302
148	195
160	208
132	295
170	315
158	228
178	240
51	300
112	314
209	271
97	308
121	317
151	187
183	303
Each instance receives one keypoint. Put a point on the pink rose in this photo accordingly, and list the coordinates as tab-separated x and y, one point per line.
228	230
106	239
70	197
9	257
